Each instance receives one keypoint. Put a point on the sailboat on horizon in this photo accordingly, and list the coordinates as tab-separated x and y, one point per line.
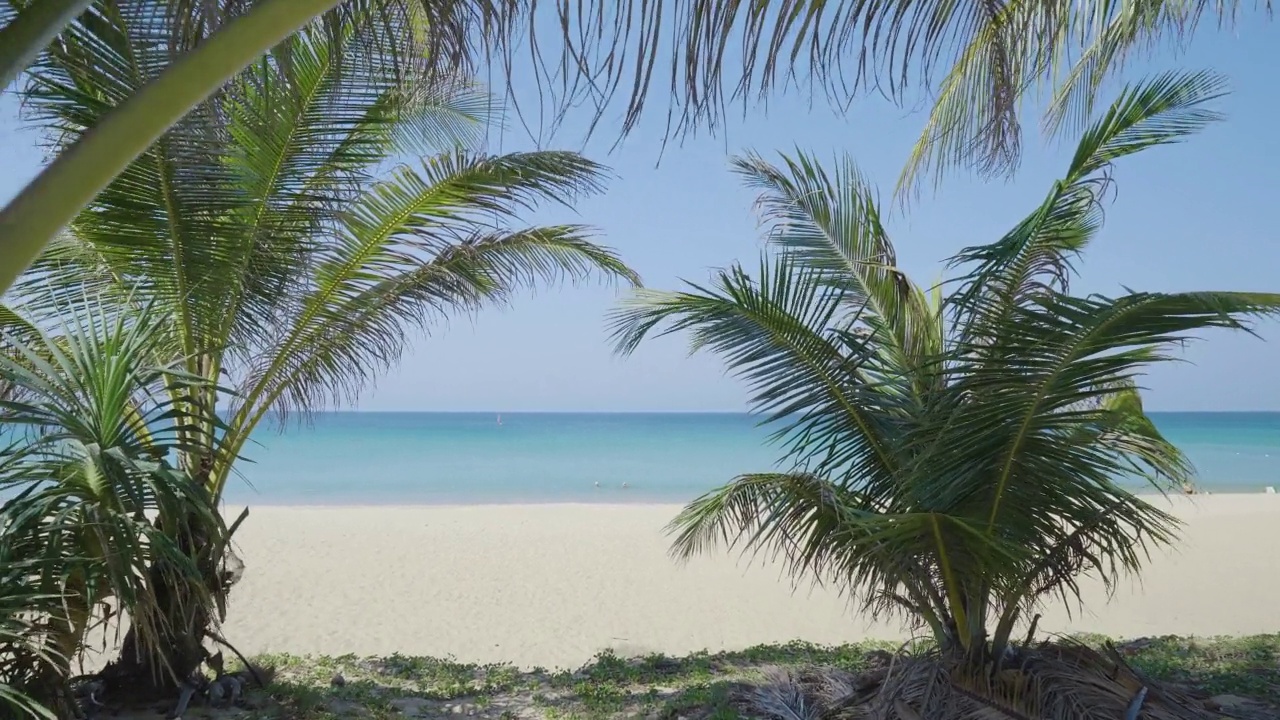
499	418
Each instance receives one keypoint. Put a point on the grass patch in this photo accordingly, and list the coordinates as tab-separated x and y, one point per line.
1245	666
658	687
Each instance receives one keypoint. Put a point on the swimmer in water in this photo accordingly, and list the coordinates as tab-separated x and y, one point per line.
597	483
626	485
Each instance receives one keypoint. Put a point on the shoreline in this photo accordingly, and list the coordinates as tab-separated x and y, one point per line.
639	501
552	585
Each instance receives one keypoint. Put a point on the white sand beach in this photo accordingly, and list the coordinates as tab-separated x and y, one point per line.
552	585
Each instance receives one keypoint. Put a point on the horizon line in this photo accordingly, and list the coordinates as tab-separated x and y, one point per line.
355	411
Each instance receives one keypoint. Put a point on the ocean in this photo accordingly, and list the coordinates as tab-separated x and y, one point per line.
369	458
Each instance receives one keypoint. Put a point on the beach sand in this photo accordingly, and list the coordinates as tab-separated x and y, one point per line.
551	585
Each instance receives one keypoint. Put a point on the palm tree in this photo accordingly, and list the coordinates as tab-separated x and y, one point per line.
991	56
957	459
281	256
284	256
94	513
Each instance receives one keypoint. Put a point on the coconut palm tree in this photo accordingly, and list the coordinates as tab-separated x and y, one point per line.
955	459
94	514
988	55
284	256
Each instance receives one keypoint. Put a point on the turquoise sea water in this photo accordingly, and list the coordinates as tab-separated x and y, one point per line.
394	458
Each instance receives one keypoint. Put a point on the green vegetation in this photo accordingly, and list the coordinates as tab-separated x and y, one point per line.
22	661
263	259
957	455
282	258
699	686
95	514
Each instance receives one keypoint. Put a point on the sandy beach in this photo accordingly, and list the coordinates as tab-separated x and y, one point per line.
552	585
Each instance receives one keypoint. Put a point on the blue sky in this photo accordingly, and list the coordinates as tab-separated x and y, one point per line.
1200	215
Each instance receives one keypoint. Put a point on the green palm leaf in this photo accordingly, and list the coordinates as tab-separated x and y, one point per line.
1035	256
824	385
24	657
831	223
824	530
200	223
995	53
411	250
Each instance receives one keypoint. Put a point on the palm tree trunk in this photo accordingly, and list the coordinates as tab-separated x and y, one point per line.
148	673
51	687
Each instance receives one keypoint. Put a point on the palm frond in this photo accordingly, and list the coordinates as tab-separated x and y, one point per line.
157	227
835	402
307	129
347	332
1070	353
24	656
604	47
831	224
199	225
1035	256
870	547
1133	28
414	249
1071	48
984	60
16	702
1036	441
305	242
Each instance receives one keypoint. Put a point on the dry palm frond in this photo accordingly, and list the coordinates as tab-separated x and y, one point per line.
783	696
1050	681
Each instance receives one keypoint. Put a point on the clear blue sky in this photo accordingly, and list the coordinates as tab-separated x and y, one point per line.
1201	215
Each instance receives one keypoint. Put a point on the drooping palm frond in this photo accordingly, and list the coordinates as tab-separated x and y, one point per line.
1024	49
426	244
1010	477
714	53
979	63
597	47
835	532
836	402
593	50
